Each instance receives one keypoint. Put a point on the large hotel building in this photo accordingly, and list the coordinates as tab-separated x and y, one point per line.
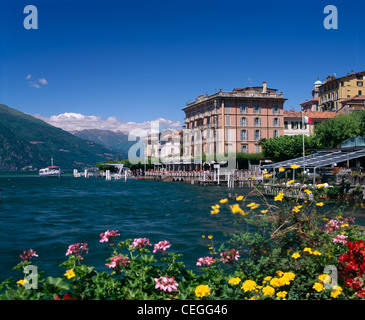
233	121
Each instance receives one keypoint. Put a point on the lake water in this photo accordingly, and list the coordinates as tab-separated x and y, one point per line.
49	214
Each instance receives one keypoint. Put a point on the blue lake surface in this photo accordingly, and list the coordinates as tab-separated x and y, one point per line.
49	214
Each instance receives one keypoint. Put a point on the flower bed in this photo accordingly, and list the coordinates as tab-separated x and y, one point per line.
278	251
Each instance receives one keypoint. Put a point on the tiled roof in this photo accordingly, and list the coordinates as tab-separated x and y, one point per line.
357	98
310	114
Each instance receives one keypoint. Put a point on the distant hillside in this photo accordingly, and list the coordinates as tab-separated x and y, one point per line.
28	142
115	140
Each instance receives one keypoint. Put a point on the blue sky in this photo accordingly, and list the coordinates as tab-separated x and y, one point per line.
142	60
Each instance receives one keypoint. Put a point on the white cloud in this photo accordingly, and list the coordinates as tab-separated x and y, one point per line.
75	121
43	81
35	83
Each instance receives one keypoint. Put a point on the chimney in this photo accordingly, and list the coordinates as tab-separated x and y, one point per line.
264	87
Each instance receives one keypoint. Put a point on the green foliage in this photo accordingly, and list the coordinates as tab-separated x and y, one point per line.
333	132
288	147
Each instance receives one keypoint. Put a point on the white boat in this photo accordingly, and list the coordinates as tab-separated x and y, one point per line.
51	171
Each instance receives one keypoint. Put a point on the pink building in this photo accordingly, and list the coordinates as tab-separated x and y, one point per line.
234	121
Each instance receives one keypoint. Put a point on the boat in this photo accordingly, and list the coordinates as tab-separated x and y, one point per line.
51	171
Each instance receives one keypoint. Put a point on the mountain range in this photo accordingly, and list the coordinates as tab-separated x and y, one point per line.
28	143
115	140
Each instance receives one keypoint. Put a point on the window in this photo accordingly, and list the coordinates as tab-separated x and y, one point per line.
244	148
276	110
359	83
244	122
294	125
244	135
276	133
360	92
228	135
257	122
243	108
257	135
285	124
228	121
257	109
276	122
258	149
228	108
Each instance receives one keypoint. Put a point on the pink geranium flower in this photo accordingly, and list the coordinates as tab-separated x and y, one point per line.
161	246
340	239
77	249
205	261
117	262
140	243
331	225
109	236
166	284
229	256
27	255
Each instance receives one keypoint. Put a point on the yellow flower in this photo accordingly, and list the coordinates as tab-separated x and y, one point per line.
297	209
268	291
268	278
235	281
290	276
291	181
210	237
214	212
253	178
321	185
295	255
344	225
318	287
316	253
279	273
276	282
294	166
223	200
255	206
320	204
203	236
325	278
281	169
336	292
249	285
251	204
22	282
70	274
239	198
202	291
264	211
235	208
281	294
307	191
279	196
268	175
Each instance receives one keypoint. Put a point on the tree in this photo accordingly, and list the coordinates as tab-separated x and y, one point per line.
333	132
288	147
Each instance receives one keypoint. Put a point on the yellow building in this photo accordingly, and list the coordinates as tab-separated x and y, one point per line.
335	90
